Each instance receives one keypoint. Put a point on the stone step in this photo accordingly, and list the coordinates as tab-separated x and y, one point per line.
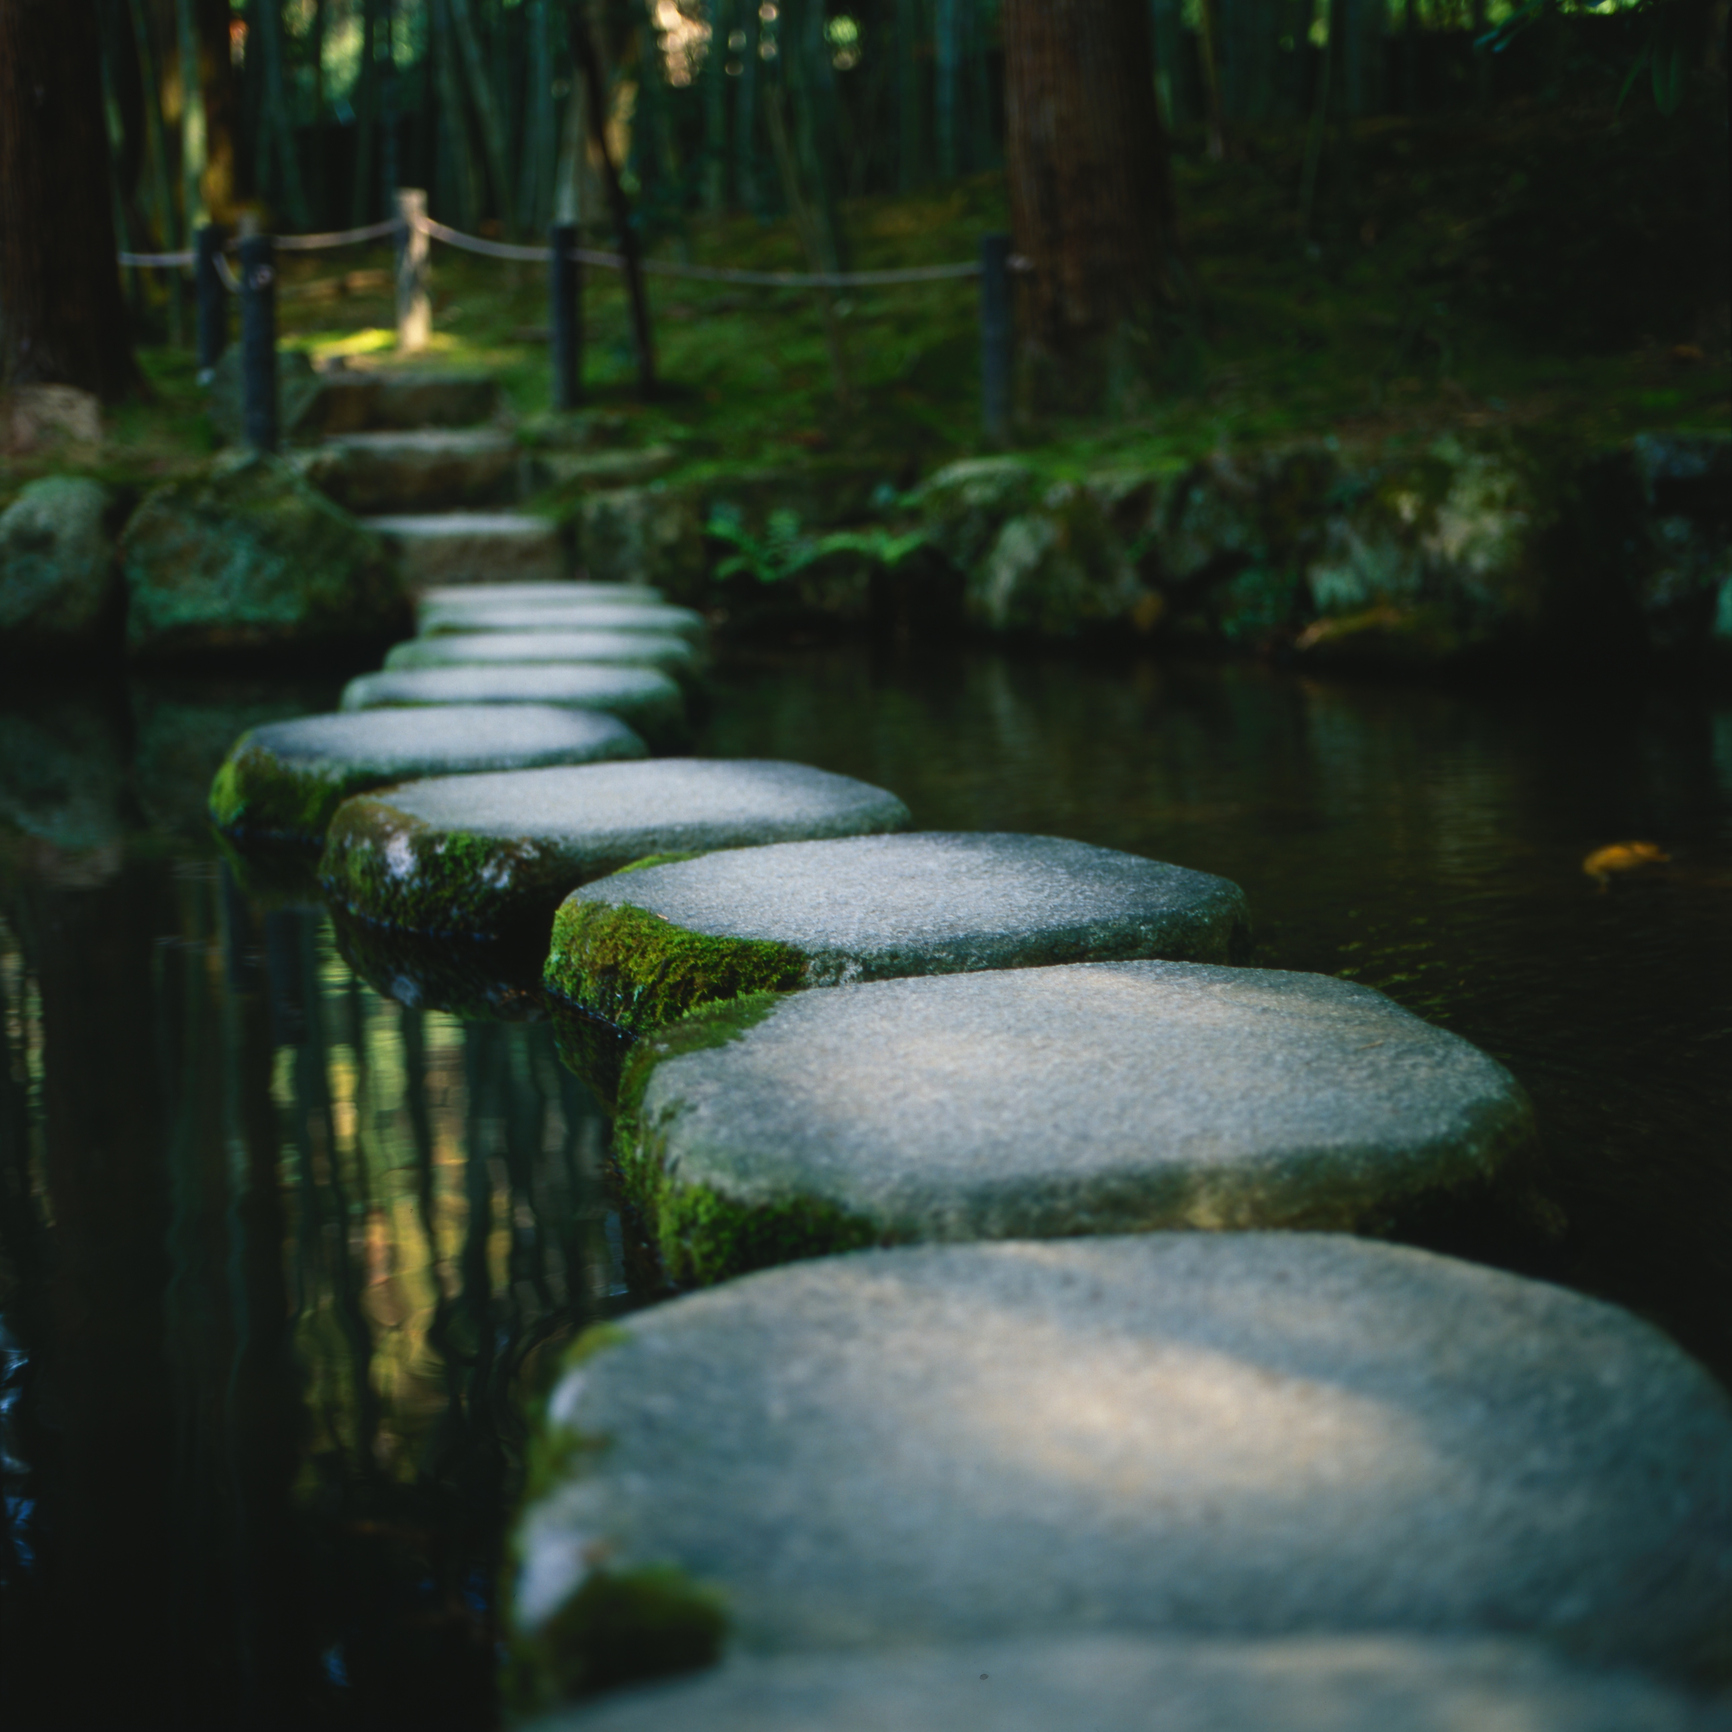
1041	1103
1126	1683
356	400
475	547
646	948
452	599
672	655
606	612
486	856
284	780
427	469
645	700
1215	1434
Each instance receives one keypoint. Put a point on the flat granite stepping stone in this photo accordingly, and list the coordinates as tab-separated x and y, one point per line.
642	698
284	780
1039	1103
488	856
585	614
1119	1683
474	547
555	593
1244	1434
647	947
671	655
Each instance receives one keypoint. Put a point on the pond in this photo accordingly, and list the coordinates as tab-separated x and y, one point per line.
284	1258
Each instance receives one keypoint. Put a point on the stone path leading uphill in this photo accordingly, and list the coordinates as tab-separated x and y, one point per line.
284	780
643	949
1139	1684
586	615
646	700
1039	1103
1252	1434
481	855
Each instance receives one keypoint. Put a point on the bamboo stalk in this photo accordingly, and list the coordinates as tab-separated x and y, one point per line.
161	184
486	111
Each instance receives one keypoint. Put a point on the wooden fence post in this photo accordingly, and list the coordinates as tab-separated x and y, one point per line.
258	340
213	302
995	337
414	306
565	316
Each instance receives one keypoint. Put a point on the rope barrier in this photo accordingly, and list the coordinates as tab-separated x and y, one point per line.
156	261
225	273
339	237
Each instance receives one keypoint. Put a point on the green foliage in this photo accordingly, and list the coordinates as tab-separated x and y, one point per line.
784	551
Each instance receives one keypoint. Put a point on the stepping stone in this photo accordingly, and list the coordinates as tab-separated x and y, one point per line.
474	547
1218	1434
645	948
645	700
491	856
426	469
452	598
580	615
670	655
284	780
1107	1683
356	400
1040	1103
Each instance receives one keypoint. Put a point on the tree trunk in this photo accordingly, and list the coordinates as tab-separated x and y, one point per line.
366	106
1090	198
487	112
62	321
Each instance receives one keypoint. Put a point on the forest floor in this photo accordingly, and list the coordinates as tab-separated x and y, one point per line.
1538	266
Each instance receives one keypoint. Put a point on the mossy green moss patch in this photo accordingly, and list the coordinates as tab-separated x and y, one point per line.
642	972
389	867
703	1236
256	794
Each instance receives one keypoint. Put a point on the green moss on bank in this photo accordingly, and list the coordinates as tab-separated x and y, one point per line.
703	1236
255	794
642	972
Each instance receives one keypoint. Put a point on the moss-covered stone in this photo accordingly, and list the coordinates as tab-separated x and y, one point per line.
249	557
473	979
255	793
58	579
641	971
702	1236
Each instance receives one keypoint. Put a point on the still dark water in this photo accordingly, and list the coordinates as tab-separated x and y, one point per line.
282	1257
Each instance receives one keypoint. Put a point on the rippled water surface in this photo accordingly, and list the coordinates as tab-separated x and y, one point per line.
281	1256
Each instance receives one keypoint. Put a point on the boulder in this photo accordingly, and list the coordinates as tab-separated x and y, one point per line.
648	945
647	701
964	506
575	473
642	535
1109	1682
1189	1434
1038	1103
493	855
284	780
248	556
59	579
1056	572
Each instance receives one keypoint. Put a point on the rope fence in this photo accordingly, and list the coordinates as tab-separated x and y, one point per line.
412	229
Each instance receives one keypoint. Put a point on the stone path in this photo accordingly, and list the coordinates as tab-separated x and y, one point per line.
1186	1433
672	655
424	469
1042	1103
807	914
1140	1684
454	599
646	700
284	780
481	855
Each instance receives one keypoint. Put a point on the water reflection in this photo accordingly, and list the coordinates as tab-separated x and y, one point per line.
281	1255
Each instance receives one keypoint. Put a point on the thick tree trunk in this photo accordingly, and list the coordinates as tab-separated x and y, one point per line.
62	321
1090	198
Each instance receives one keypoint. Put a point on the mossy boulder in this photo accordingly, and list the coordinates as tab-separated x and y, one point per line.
59	579
965	505
650	534
1057	571
249	557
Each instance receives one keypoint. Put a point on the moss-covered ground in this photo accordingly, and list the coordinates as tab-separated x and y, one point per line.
1549	264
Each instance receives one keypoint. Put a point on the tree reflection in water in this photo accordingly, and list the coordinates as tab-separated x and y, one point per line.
281	1258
